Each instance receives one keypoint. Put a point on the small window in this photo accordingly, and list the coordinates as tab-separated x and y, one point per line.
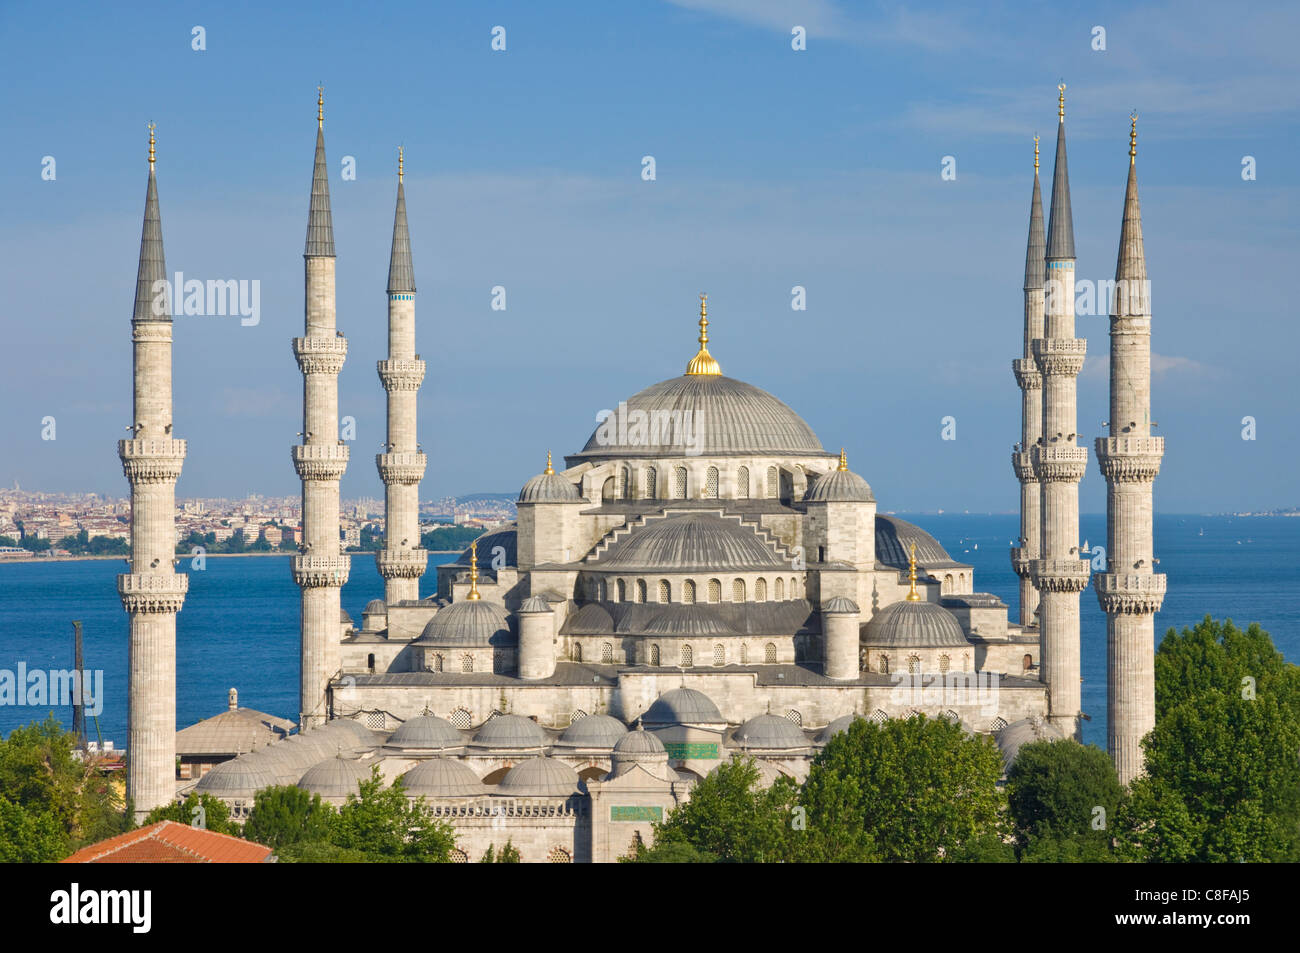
943	664
651	488
665	591
437	663
458	856
370	663
769	653
773	484
744	654
997	724
622	590
1027	662
738	590
913	664
742	483
794	588
376	721
576	652
760	591
688	656
796	717
719	655
715	590
500	662
879	717
952	716
679	483
461	718
578	715
606	653
624	484
467	663
559	855
654	655
711	483
608	490
947	582
688	591
780	590
640	590
884	665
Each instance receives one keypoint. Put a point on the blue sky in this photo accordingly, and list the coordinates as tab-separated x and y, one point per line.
775	168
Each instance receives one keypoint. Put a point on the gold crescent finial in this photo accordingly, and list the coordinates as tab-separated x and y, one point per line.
473	571
320	106
1035	153
399	163
550	470
703	363
152	127
1133	138
1061	104
912	595
844	461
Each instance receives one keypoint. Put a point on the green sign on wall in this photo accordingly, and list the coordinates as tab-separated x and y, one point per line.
633	814
692	750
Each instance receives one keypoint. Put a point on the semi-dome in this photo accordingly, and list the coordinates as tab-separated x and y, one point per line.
510	731
640	745
502	542
686	542
474	622
894	538
683	706
593	731
539	777
734	418
921	624
535	604
336	777
841	605
835	727
549	487
770	732
442	777
425	733
692	620
236	778
841	485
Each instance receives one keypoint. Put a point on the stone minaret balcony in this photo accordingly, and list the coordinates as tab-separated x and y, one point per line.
1027	374
1059	464
315	572
320	461
401	563
320	355
1130	459
151	461
153	592
401	375
402	468
1061	575
1060	357
1130	593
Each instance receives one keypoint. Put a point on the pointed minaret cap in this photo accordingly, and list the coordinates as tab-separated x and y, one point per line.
320	224
1060	225
401	275
153	266
1036	249
703	363
1131	265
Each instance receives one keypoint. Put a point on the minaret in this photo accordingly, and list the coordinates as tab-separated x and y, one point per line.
1130	593
1059	463
152	592
320	569
1030	382
401	466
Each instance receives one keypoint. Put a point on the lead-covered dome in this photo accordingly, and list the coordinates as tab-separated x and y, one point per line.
734	418
770	732
425	733
539	777
336	777
908	624
474	622
686	542
442	777
683	706
549	487
237	778
593	731
894	538
510	731
839	486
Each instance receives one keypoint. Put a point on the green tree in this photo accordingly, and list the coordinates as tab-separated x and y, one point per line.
8	541
385	824
730	817
30	837
910	789
450	538
287	815
215	814
509	854
1054	790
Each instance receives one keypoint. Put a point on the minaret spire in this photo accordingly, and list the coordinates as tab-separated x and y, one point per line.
401	466
703	363
1060	228
1129	592
320	223
152	592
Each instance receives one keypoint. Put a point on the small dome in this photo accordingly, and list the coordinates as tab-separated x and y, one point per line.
350	726
510	731
549	487
841	605
914	625
539	777
683	706
839	486
308	748
374	605
236	778
272	760
593	731
336	777
1020	733
425	732
640	745
835	727
534	604
442	777
474	622
771	732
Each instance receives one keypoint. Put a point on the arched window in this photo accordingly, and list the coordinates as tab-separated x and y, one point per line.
665	591
760	590
640	590
780	589
608	490
651	481
943	664
997	724
688	591
947	582
879	717
500	662
1027	663
738	590
744	654
606	653
679	483
461	718
437	663
456	855
688	656
769	653
578	715
370	662
884	665
576	652
715	590
742	483
719	655
467	663
913	664
773	483
794	591
952	716
654	655
559	855
796	717
711	483
622	590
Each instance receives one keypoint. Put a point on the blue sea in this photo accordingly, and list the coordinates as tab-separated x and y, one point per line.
239	627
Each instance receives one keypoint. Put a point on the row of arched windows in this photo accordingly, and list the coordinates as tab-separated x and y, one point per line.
623	590
624	487
687	654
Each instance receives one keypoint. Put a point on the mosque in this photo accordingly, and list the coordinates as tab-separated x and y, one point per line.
702	578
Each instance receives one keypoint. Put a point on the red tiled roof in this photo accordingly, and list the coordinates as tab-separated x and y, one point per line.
168	842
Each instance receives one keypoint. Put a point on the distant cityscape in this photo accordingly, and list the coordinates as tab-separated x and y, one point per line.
59	525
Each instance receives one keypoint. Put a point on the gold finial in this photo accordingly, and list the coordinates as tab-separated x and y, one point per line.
152	126
1061	104
320	106
473	571
844	461
1035	153
703	363
1133	138
399	163
550	470
912	595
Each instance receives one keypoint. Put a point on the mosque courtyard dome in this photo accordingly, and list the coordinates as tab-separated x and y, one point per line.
914	625
683	706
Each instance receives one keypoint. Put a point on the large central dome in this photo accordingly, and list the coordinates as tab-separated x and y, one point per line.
729	416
